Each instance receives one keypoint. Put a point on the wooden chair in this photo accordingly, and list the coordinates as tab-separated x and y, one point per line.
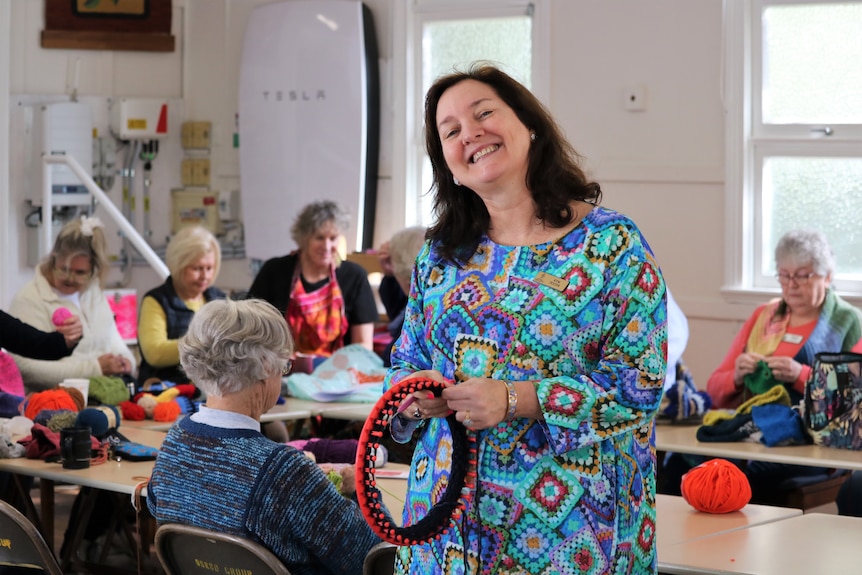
21	544
187	550
380	560
807	493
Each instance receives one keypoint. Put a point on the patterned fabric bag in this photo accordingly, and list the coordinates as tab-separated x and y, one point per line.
833	400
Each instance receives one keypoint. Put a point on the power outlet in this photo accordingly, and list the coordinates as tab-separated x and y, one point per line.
635	98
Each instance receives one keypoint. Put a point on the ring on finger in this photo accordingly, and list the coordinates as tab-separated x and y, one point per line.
467	420
417	413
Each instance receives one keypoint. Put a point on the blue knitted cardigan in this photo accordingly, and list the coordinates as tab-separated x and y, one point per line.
237	481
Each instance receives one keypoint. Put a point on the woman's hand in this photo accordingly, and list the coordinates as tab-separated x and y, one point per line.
385	259
72	330
424	404
479	402
784	368
745	363
112	364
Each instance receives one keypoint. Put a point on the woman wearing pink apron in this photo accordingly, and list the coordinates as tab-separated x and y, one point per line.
326	302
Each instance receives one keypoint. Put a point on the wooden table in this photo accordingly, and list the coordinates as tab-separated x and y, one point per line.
812	543
677	521
332	409
282	412
681	439
115	476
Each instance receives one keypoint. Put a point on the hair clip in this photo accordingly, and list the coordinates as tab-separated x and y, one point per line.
90	223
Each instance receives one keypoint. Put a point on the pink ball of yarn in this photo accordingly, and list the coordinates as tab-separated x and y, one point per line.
61	314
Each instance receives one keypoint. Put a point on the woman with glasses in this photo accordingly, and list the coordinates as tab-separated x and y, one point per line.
777	345
70	277
778	342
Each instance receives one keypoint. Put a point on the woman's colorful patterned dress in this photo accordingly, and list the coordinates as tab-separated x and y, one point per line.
576	492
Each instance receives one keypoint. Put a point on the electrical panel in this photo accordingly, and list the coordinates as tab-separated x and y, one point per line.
196	135
139	119
61	128
195	208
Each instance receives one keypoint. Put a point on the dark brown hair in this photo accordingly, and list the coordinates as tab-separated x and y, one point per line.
554	176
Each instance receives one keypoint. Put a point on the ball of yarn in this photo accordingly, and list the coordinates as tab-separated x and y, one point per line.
76	396
60	420
166	411
100	419
107	389
132	411
60	315
50	399
716	486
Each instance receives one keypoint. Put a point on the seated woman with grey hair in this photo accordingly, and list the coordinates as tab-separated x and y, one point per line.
216	470
778	343
784	334
328	303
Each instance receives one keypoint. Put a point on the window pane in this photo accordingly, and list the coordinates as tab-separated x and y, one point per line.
448	45
818	193
811	64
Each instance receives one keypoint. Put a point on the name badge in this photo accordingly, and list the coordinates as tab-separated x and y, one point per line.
552	282
793	338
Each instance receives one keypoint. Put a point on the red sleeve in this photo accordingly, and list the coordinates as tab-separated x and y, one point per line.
720	386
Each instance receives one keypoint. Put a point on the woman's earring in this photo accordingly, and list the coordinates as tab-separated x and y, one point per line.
532	136
454	179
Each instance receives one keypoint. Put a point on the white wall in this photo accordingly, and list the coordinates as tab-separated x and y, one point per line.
663	166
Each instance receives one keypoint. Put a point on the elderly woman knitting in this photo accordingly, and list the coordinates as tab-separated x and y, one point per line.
777	344
216	470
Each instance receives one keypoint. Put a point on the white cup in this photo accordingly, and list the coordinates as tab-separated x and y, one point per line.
82	385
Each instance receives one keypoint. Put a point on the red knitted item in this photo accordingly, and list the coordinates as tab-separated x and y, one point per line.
132	411
446	513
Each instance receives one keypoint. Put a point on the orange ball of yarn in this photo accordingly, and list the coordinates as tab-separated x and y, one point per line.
50	399
167	411
716	486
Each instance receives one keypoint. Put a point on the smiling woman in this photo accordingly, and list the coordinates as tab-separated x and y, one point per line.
70	277
326	302
544	318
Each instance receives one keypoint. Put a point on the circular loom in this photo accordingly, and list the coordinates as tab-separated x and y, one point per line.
462	476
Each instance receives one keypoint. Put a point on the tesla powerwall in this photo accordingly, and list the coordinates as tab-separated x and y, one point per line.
308	119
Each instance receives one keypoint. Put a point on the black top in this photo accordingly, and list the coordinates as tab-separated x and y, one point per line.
178	317
273	283
24	339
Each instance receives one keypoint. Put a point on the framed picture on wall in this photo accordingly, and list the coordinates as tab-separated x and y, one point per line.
126	8
143	25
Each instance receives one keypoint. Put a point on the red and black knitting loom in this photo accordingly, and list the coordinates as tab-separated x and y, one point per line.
462	476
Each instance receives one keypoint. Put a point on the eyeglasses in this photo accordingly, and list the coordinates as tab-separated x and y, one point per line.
287	367
798	279
78	276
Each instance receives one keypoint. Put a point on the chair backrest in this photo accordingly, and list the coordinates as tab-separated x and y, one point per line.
187	550
21	544
380	560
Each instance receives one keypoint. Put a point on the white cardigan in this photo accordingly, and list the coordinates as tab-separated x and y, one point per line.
35	304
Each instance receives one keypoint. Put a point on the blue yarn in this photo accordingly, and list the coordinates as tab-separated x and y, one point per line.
99	419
